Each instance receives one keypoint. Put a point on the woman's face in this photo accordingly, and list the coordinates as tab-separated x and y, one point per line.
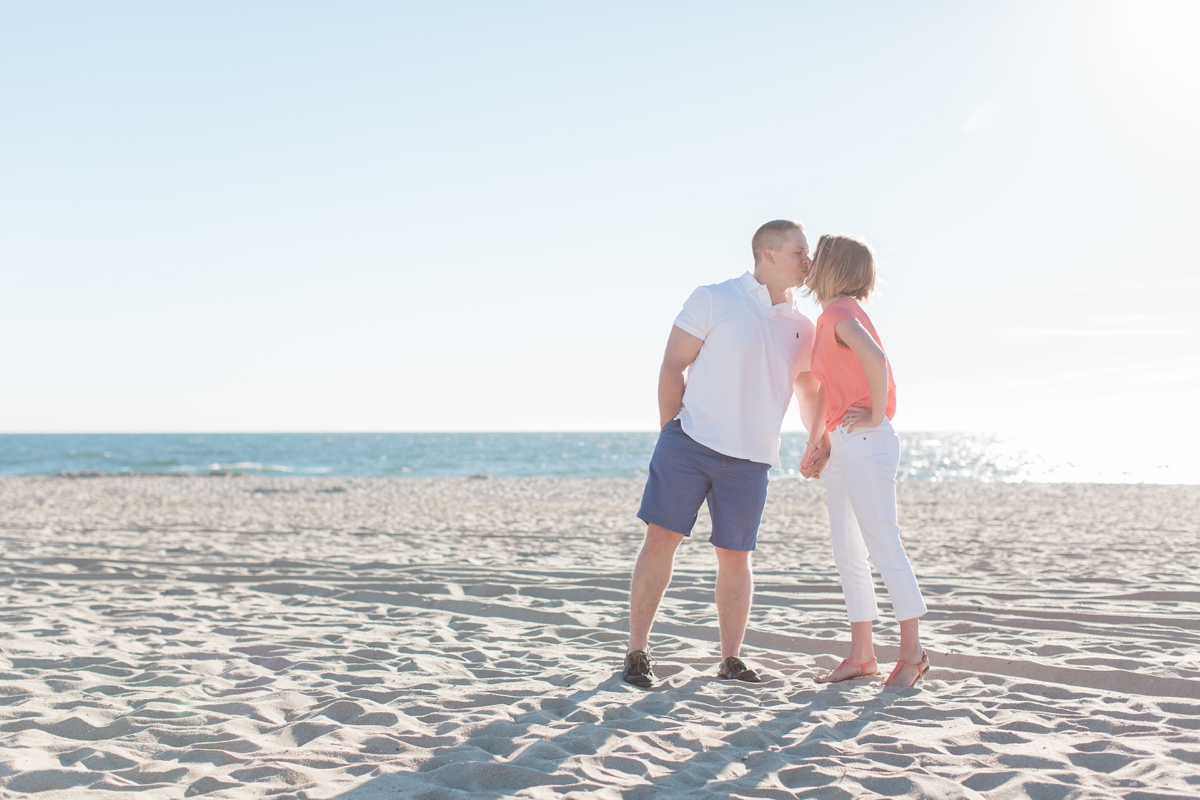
810	278
812	271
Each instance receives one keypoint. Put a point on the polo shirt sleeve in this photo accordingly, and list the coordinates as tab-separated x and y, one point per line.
697	313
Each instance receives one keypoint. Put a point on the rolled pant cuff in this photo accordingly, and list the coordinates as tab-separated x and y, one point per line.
905	617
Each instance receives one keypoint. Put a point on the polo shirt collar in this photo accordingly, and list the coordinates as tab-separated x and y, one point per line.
763	295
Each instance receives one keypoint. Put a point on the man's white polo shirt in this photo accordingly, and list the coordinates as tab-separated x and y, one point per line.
739	387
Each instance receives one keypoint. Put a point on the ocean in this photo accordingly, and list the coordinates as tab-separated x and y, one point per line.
925	456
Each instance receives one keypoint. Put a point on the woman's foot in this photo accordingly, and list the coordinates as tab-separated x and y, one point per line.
907	674
848	670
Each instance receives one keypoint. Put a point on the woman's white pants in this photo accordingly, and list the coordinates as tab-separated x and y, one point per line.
861	493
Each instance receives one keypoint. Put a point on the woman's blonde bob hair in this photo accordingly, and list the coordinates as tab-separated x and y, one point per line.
843	266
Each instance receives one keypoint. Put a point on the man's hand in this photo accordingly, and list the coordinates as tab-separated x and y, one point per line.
816	456
814	466
815	470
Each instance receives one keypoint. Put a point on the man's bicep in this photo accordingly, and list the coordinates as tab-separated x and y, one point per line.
682	348
806	386
696	316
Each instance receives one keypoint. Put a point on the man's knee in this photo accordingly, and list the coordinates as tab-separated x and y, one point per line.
733	559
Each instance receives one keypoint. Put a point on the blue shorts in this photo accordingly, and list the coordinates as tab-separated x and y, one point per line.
685	473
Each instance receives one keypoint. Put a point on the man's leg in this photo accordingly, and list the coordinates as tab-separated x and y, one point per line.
735	590
736	503
651	575
675	488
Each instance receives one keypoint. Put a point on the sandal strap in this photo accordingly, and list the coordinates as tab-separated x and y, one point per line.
924	658
863	666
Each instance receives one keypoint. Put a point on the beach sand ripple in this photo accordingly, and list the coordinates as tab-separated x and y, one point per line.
319	638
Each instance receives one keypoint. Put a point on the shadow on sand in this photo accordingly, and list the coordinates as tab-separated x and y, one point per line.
671	741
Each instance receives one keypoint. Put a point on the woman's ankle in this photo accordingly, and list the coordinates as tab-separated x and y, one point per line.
910	641
862	643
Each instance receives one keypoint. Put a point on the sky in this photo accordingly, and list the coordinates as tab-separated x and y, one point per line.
481	216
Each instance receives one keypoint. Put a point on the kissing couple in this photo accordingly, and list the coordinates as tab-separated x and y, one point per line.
738	352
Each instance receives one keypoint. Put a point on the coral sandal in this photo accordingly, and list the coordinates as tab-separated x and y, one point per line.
921	667
862	671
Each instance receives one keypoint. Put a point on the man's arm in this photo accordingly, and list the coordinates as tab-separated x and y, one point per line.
816	451
806	387
809	396
682	349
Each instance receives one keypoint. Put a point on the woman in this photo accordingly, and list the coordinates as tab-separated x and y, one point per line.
853	424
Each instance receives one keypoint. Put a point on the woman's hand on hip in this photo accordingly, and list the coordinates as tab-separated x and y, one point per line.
859	417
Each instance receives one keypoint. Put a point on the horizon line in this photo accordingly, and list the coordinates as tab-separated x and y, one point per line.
396	432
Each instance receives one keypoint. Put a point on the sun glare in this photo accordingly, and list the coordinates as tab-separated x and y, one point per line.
1158	41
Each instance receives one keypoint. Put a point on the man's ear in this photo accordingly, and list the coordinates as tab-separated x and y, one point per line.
768	255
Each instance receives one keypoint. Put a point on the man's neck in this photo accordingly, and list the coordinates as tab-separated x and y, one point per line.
779	294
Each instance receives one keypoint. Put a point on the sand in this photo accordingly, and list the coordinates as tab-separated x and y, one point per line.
359	638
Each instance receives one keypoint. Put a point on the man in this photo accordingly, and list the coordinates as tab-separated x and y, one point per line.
745	348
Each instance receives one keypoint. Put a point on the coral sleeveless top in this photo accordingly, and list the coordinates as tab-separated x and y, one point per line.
839	370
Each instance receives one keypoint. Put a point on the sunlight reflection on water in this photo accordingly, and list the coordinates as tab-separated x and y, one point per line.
924	456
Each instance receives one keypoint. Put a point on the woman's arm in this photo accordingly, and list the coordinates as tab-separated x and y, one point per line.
874	363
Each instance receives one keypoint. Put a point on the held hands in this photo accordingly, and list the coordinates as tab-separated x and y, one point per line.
816	452
816	456
859	417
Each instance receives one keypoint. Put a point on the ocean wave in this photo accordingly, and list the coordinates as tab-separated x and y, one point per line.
249	466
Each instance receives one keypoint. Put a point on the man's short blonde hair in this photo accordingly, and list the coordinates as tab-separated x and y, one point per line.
843	266
770	236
